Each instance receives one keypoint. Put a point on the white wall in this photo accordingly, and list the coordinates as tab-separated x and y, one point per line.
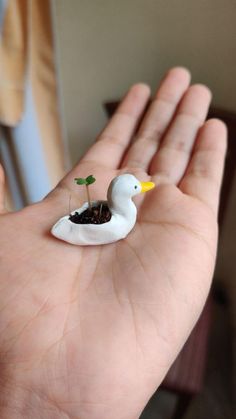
106	45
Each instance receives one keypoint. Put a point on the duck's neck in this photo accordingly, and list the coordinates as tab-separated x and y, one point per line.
126	209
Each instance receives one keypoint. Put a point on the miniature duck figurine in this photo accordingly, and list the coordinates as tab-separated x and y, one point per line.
123	215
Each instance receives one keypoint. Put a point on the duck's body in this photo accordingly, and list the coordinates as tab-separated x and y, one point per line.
123	216
87	234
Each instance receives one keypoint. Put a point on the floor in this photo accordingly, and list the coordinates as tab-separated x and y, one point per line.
216	398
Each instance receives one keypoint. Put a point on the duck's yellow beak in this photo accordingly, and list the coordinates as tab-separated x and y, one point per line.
146	186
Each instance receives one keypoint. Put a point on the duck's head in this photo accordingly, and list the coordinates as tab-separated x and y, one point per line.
124	187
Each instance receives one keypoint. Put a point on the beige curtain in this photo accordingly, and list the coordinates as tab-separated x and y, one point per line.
13	57
27	53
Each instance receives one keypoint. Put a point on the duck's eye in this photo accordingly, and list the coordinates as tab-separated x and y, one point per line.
135	187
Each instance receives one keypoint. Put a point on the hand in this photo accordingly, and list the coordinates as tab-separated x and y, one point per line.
90	332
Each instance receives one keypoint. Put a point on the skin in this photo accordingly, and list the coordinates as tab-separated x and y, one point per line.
90	332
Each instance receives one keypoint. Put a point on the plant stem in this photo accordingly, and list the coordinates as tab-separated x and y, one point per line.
88	195
100	212
69	203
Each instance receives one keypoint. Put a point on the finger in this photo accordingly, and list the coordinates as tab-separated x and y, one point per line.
2	190
157	118
112	142
204	174
171	160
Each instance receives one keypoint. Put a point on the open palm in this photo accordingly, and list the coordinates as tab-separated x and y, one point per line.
90	332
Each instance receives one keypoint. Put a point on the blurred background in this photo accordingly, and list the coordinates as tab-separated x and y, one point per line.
61	62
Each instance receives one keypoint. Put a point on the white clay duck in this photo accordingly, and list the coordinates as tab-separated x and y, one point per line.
123	215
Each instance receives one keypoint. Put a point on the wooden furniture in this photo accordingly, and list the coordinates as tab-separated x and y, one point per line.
185	377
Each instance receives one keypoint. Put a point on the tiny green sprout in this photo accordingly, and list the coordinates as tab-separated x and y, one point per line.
86	181
90	179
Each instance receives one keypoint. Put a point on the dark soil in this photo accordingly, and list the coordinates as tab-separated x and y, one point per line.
97	215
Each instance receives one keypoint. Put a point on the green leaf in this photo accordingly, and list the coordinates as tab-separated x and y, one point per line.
90	179
80	181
